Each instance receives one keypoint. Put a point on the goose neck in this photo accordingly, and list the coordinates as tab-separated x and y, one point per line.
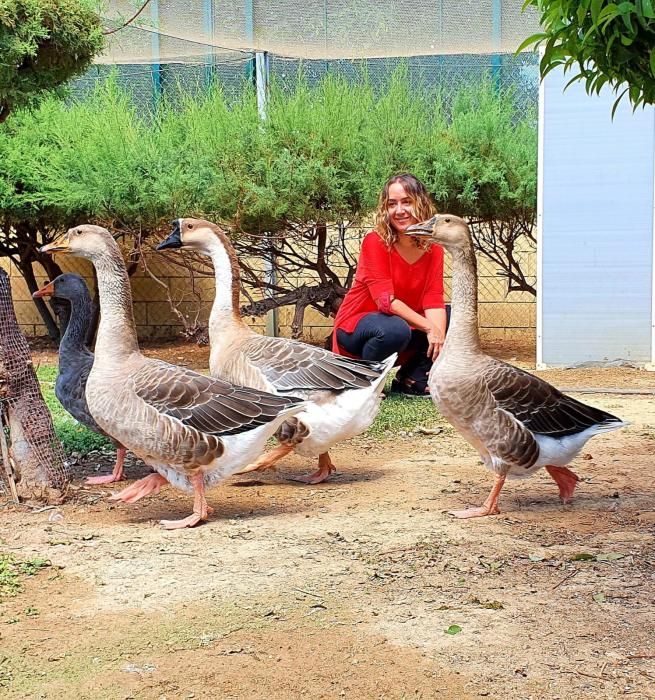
116	331
463	331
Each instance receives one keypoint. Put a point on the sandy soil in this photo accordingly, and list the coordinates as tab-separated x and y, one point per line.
346	589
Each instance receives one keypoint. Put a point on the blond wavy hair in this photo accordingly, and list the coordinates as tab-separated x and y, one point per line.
422	208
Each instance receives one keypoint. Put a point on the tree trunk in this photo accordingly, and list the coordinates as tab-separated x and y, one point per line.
26	270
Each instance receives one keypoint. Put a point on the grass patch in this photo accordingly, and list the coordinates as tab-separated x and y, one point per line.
399	413
12	571
73	435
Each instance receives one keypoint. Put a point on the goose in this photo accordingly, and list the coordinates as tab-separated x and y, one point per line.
518	422
343	394
193	430
75	359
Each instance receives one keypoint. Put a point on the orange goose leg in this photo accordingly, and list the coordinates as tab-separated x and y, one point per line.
116	475
267	460
489	507
566	480
200	508
143	487
325	468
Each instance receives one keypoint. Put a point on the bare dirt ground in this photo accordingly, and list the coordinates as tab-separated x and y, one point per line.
347	589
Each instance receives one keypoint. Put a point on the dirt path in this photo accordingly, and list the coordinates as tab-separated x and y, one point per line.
345	590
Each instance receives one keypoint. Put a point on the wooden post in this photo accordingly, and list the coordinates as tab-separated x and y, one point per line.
9	471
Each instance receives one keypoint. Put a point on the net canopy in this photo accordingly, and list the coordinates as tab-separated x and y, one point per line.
191	31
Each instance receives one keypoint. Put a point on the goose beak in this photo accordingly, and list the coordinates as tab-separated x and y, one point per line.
174	240
47	291
424	228
59	245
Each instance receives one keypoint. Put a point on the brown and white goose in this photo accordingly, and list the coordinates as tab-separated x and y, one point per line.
343	395
518	422
192	429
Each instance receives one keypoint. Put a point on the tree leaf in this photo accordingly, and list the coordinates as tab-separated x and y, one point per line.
582	556
532	39
610	556
453	629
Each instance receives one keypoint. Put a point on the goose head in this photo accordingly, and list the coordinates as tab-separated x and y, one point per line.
68	286
196	234
84	241
448	230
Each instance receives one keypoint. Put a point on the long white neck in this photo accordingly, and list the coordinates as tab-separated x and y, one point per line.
116	331
463	336
225	310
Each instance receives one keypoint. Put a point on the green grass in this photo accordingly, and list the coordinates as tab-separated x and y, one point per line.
12	571
397	414
74	436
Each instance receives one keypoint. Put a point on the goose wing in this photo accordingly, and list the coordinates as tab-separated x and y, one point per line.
291	365
538	405
207	404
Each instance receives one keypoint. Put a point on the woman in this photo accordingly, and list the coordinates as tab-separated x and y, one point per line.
396	303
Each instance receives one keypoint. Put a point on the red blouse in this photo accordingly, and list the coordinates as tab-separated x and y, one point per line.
384	275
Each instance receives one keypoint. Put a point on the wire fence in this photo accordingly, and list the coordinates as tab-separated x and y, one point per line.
502	314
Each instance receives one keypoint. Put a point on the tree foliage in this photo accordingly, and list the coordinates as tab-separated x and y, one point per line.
298	189
43	44
605	42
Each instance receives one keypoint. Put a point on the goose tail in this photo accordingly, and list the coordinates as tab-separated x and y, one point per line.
387	366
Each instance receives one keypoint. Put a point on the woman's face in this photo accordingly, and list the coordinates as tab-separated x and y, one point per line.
399	207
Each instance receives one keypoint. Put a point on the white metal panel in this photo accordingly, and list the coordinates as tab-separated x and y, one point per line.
596	190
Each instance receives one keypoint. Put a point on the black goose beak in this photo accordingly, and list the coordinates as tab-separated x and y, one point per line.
424	228
174	240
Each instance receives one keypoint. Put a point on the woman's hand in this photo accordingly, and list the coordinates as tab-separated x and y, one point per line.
435	341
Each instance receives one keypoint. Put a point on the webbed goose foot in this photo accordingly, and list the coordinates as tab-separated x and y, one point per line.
325	468
200	508
267	460
489	507
116	475
566	480
150	484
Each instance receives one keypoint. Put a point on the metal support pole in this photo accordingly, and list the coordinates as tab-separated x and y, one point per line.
496	42
262	75
250	38
208	28
155	66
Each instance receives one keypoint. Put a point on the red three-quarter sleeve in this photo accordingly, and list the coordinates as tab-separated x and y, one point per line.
433	294
374	271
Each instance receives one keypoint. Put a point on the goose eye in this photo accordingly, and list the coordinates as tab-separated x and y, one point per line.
189	226
447	221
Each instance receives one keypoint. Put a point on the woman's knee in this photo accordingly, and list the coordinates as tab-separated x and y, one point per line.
390	333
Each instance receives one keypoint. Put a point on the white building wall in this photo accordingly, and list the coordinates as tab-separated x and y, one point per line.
596	197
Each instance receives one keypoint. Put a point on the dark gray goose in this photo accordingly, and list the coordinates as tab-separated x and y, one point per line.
518	422
193	430
343	395
75	359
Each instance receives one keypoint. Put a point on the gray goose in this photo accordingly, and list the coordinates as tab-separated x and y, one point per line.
518	422
343	395
75	359
193	430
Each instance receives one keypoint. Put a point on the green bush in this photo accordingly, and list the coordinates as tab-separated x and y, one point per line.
43	44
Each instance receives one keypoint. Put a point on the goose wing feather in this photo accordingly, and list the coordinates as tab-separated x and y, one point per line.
538	405
504	437
210	405
291	365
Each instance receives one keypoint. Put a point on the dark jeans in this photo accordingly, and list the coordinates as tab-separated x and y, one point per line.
377	335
